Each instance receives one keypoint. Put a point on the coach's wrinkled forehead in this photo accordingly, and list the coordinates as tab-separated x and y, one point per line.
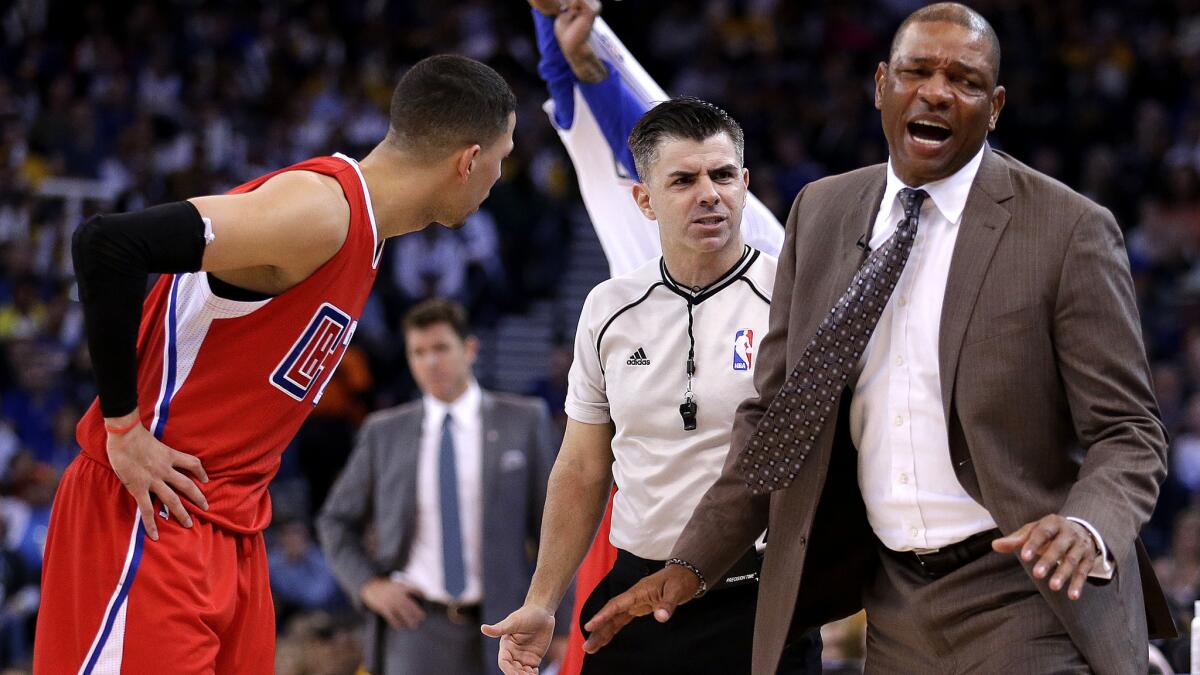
953	12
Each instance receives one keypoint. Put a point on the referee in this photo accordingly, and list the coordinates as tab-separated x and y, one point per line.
663	356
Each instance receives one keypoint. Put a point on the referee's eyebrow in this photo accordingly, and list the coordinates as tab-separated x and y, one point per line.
724	168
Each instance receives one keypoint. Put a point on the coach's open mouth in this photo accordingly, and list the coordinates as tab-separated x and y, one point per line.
928	131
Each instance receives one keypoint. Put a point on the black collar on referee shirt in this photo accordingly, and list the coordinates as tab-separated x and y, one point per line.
698	295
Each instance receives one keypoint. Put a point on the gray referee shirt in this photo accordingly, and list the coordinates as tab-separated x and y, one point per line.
631	352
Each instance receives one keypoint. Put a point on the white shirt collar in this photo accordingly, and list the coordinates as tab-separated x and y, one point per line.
464	409
949	194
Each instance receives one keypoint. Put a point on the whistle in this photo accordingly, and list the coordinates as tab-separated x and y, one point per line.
687	410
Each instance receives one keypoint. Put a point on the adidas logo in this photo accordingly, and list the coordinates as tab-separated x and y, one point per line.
639	358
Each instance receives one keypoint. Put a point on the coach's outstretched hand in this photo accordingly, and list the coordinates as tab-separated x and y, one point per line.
1064	546
525	636
147	467
660	593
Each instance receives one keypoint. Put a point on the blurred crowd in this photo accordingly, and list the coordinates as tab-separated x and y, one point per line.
121	105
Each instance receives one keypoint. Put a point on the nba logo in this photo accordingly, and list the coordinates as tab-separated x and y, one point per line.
743	345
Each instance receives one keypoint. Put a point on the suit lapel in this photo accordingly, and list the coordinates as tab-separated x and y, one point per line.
856	230
983	223
404	478
490	449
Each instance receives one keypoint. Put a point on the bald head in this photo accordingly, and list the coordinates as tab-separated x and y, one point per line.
960	15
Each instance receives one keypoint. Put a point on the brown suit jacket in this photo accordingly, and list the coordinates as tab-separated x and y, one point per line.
1040	354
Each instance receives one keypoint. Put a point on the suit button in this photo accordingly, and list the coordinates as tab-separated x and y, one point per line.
803	541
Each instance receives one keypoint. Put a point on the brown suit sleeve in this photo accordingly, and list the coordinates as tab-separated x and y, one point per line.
729	518
1102	362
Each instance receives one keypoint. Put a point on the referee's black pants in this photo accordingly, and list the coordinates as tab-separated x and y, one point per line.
711	635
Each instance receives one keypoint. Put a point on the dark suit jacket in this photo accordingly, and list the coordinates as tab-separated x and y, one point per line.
1040	355
379	488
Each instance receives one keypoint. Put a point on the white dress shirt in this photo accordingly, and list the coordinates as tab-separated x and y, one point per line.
914	500
897	421
425	569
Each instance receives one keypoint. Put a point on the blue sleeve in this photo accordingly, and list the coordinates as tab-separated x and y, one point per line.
553	68
613	104
616	110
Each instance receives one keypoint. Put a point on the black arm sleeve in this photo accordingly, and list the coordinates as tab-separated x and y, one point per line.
114	256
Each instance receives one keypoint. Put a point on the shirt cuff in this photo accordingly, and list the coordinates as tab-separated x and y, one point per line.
1103	568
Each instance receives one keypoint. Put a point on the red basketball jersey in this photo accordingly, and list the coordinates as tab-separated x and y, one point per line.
231	381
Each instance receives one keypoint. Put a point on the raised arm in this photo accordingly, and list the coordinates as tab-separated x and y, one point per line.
568	60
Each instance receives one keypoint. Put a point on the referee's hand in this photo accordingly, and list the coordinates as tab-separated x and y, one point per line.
148	468
660	593
525	636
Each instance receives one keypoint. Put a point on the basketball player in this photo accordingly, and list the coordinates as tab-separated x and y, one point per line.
155	559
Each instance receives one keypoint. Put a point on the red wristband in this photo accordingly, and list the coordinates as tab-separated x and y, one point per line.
122	430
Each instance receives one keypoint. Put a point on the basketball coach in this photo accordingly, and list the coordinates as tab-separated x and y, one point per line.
954	424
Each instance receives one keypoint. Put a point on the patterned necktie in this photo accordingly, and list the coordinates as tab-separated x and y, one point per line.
452	548
795	417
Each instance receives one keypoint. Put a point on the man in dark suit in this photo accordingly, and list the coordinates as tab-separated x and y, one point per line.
452	486
952	331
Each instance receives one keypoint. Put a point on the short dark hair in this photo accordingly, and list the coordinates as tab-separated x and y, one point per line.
958	14
447	101
438	310
685	117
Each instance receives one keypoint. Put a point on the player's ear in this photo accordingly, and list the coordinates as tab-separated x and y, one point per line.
465	161
641	197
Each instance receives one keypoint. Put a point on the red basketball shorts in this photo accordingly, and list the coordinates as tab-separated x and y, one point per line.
196	601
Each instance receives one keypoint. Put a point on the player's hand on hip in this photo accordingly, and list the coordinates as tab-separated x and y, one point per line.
395	601
148	468
659	593
525	637
1061	543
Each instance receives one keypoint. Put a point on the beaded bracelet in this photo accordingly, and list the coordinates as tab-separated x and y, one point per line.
694	570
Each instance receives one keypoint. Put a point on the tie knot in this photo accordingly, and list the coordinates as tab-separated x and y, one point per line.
911	200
